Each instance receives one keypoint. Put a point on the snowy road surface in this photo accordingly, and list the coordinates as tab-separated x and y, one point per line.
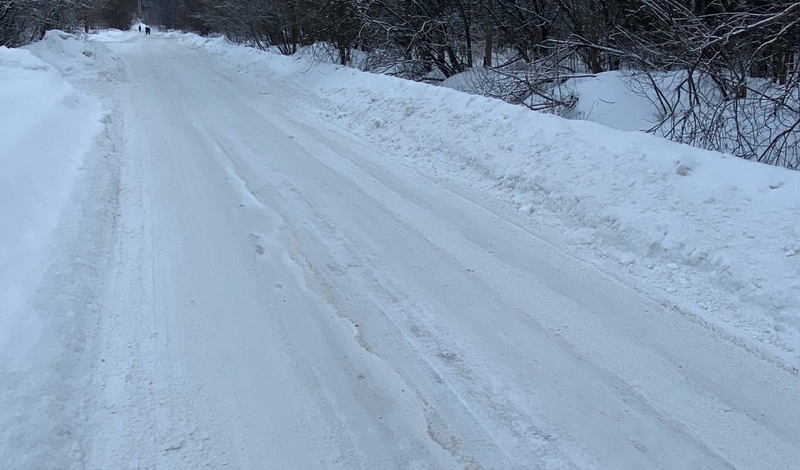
282	296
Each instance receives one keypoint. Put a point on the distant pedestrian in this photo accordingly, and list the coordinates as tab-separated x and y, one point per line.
147	30
140	28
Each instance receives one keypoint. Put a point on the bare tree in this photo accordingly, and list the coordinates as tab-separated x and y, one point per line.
723	73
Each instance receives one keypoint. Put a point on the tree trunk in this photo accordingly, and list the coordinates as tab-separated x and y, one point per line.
487	55
467	22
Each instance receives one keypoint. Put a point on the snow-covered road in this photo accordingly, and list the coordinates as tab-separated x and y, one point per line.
282	296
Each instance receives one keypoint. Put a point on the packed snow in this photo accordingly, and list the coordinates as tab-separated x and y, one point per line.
213	256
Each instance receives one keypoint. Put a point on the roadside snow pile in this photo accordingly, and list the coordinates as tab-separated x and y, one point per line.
46	129
713	234
76	59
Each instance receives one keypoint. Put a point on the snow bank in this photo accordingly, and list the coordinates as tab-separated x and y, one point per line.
77	59
46	129
710	233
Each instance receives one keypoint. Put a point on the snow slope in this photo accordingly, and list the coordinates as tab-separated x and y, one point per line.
714	235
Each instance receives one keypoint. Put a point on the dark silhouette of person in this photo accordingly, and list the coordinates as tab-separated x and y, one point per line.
140	28
147	30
